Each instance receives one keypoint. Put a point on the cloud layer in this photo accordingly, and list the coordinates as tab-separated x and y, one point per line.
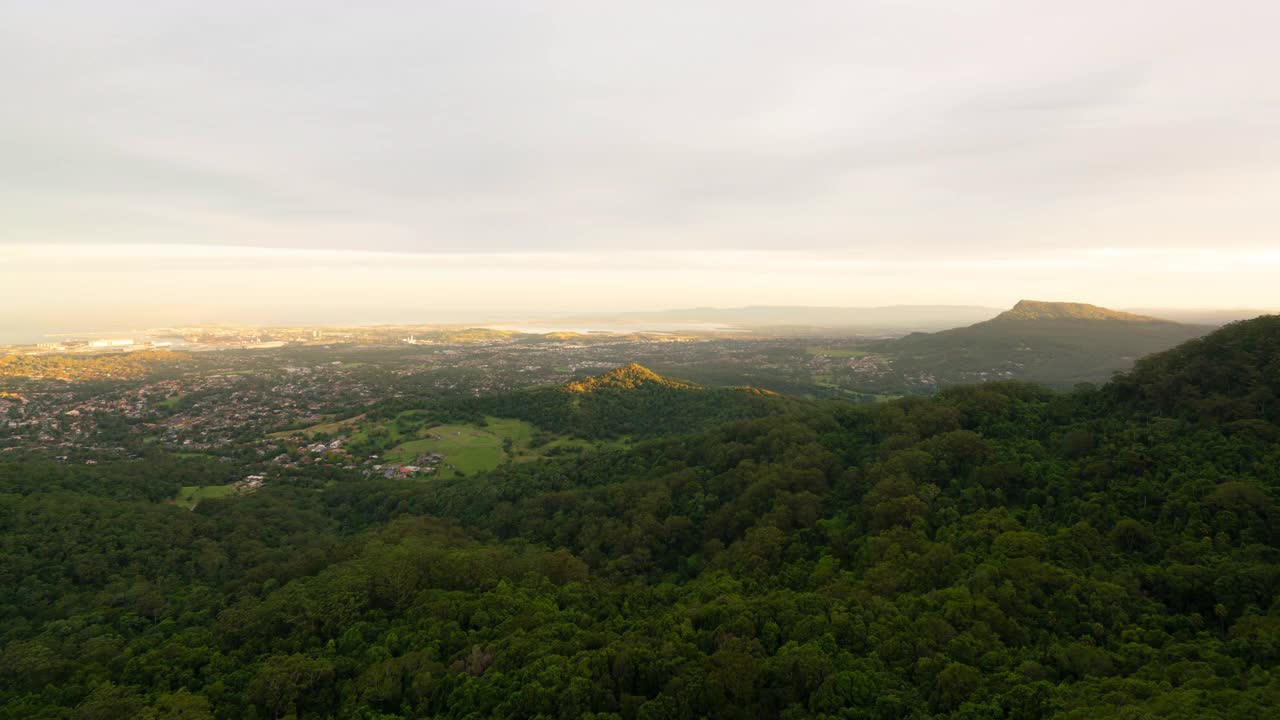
859	135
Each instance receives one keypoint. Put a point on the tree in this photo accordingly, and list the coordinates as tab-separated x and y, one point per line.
283	682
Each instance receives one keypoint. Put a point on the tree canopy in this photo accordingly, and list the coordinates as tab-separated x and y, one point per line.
998	551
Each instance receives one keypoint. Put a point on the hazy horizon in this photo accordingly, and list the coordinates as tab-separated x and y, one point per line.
193	162
35	329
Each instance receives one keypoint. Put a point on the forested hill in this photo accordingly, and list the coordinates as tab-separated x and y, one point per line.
1231	375
994	552
1057	344
627	377
630	401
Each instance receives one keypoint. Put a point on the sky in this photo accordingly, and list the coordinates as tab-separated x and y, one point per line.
411	161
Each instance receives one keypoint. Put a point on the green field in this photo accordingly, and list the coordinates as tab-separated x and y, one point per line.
466	448
835	352
170	402
327	427
472	449
844	392
191	495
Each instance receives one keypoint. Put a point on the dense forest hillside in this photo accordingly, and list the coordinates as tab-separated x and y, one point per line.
1233	374
627	401
1058	344
995	552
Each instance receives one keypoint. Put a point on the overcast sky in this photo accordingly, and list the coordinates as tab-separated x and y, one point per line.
246	157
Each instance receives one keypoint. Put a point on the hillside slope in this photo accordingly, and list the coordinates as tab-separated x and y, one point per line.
995	552
631	401
1057	344
1232	374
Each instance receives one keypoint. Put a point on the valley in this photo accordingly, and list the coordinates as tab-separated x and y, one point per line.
492	530
639	361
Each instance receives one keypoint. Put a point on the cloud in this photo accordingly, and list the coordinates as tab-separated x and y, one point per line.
891	134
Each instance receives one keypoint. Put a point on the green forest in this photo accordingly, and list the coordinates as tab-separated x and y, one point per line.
992	552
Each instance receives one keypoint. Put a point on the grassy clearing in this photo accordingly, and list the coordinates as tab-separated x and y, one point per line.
523	434
845	392
520	432
327	427
170	402
836	352
472	449
466	448
191	495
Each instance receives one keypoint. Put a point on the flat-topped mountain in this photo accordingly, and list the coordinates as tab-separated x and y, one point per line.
1040	310
1055	343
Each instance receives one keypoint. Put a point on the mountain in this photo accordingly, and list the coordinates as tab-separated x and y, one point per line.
633	401
628	377
1040	310
1055	343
